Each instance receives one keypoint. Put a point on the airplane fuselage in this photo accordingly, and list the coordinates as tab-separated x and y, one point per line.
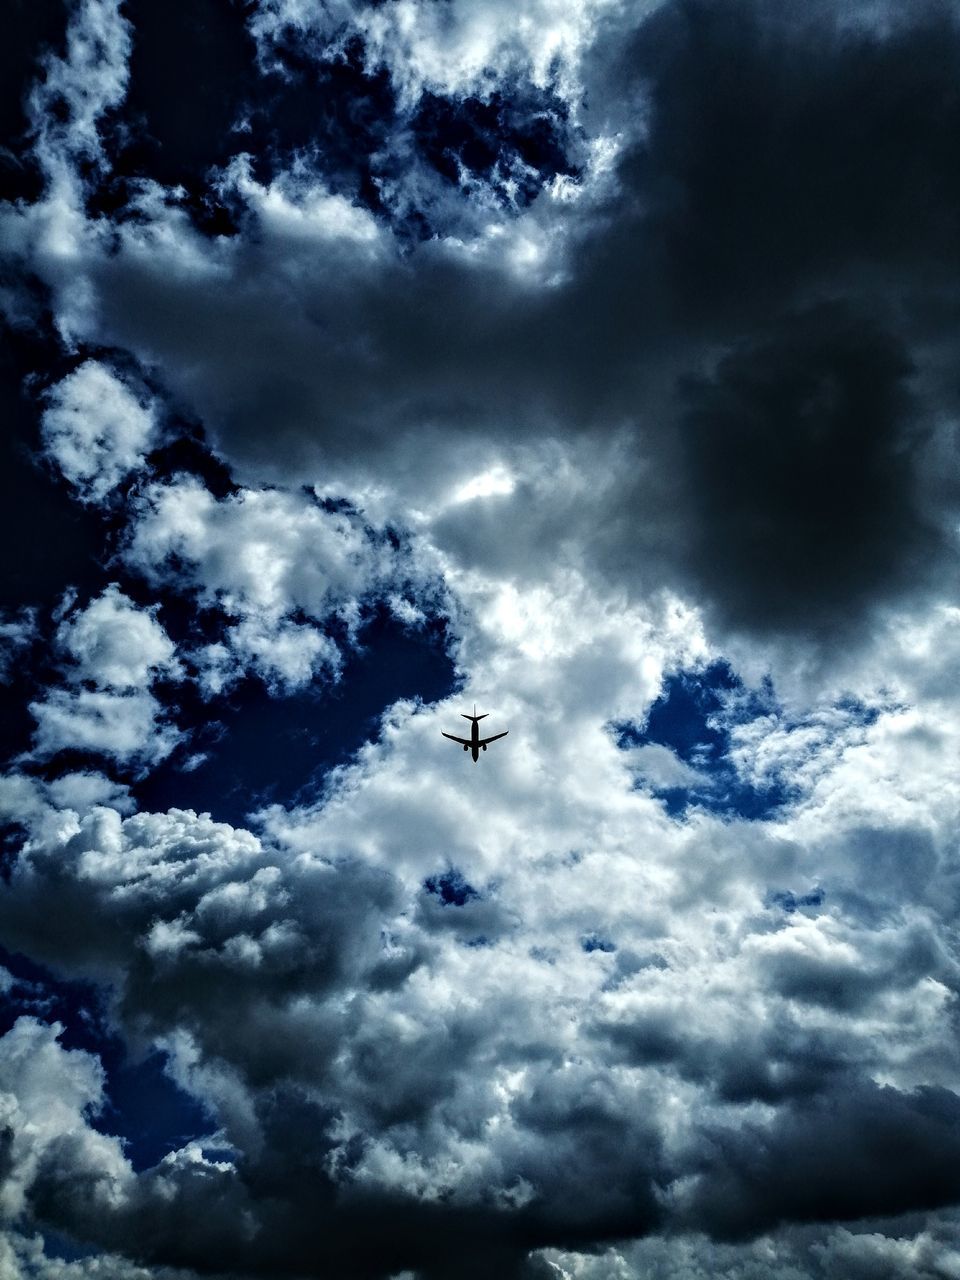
475	744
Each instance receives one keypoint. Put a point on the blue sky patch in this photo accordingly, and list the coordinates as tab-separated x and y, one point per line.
266	749
451	888
594	942
790	902
693	717
58	1245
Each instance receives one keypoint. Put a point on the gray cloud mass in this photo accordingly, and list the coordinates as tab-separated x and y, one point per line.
616	345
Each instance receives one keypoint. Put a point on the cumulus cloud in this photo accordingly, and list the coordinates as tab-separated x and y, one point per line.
96	430
115	644
687	403
120	650
481	1039
130	727
279	565
47	1095
264	550
370	362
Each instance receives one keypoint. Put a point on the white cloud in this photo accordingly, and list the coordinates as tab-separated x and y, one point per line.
23	1257
46	1096
259	551
120	649
279	565
626	1016
928	1253
82	791
285	655
115	644
661	768
90	79
617	986
128	726
466	48
65	108
296	208
96	430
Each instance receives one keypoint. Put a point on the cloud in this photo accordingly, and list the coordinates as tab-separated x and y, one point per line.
783	1172
281	567
115	644
65	109
96	430
47	1093
130	727
667	441
256	550
800	454
67	104
25	1258
622	316
839	1254
17	633
470	47
286	655
523	1027
120	650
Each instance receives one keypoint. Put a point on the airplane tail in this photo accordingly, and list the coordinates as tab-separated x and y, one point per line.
474	716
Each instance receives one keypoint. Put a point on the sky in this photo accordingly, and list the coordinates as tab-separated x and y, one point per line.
591	362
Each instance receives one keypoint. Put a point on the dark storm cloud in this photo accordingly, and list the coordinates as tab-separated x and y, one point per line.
786	220
861	1150
178	944
789	142
800	455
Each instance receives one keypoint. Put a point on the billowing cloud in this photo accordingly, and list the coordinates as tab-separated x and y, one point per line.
127	726
47	1095
614	345
432	978
116	651
96	430
592	315
116	645
279	565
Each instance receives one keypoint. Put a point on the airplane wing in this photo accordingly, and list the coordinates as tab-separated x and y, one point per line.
483	741
463	741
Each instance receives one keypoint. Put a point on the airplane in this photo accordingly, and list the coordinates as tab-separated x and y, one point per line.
476	744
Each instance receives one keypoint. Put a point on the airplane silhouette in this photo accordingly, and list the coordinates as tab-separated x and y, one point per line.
476	744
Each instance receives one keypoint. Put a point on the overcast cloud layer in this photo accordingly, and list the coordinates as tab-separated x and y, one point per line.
594	363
